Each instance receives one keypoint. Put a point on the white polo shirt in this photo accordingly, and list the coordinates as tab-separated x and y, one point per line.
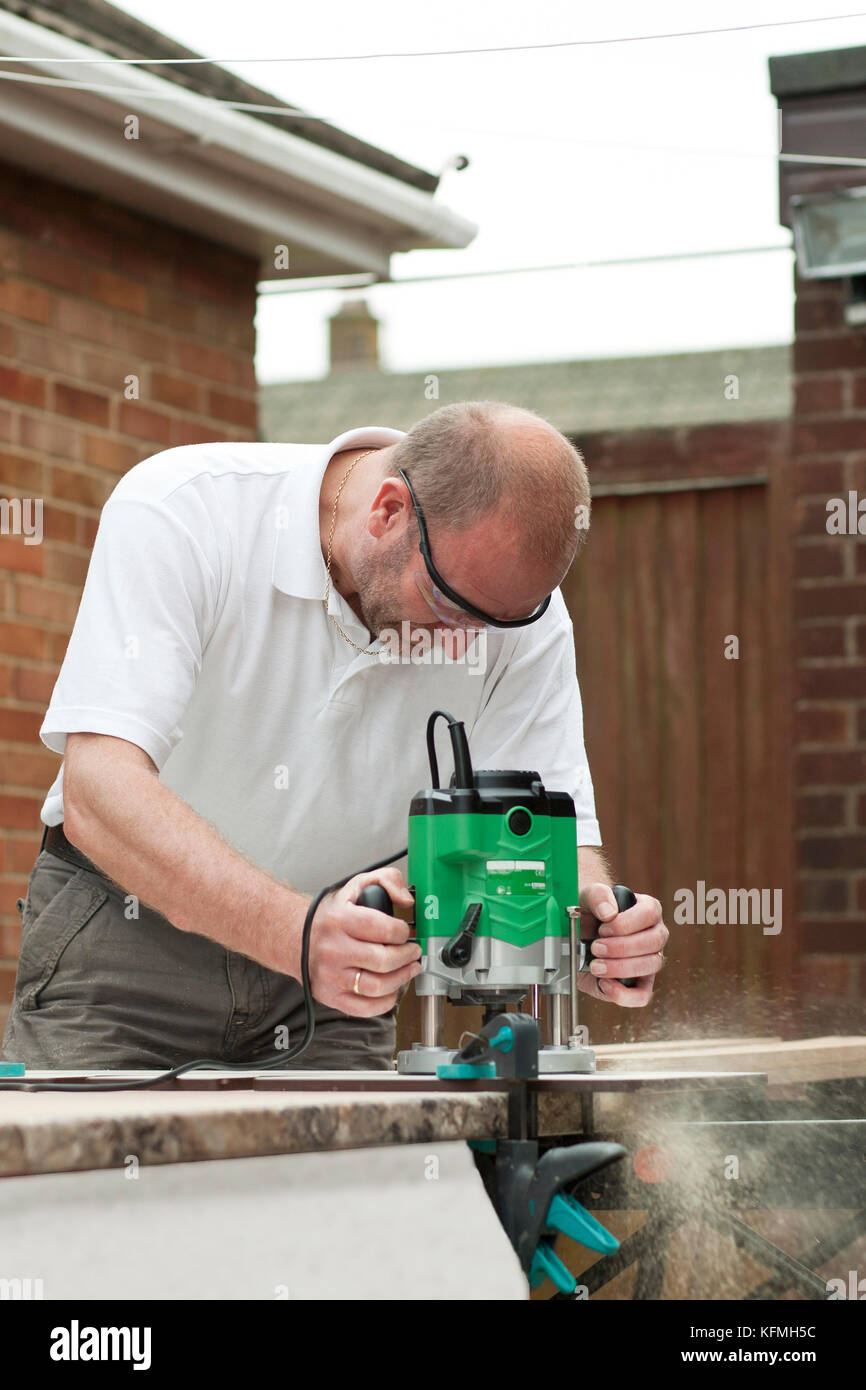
202	638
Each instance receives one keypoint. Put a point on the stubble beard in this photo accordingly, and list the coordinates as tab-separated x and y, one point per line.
377	587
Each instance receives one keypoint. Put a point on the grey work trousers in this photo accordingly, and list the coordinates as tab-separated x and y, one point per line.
99	988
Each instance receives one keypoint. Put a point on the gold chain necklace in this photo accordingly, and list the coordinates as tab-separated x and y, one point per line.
366	651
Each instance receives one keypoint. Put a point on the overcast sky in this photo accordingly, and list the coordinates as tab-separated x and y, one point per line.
619	150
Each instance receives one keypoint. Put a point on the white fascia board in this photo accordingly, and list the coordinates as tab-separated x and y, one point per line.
222	205
214	169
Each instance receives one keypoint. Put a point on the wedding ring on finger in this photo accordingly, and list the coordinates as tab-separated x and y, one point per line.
355	989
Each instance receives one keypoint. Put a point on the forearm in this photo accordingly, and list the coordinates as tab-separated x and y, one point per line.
592	866
151	843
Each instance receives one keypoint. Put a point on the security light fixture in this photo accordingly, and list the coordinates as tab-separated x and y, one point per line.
830	240
830	233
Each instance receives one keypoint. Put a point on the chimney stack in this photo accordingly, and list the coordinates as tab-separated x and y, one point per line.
354	337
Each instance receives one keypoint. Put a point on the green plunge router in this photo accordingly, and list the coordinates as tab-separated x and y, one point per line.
493	867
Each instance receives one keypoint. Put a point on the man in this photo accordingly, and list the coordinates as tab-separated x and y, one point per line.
234	739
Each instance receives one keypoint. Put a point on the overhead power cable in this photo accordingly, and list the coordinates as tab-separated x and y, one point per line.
463	52
365	281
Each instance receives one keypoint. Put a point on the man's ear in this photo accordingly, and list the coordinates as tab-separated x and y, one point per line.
388	509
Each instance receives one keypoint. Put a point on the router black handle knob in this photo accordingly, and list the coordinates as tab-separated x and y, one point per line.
374	895
625	899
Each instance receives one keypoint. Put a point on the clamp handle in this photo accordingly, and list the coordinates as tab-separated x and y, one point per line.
546	1264
573	1220
569	1216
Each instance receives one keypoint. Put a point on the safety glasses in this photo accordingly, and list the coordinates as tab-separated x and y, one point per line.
445	602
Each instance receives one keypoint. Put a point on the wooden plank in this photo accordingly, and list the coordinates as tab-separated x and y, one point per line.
372	1083
676	1045
821	1043
809	1059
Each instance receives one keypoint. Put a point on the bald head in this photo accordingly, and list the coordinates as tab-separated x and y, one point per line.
474	458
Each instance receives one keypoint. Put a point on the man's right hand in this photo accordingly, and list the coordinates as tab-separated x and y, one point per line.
346	939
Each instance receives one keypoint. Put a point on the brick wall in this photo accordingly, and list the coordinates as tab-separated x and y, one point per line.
829	689
90	295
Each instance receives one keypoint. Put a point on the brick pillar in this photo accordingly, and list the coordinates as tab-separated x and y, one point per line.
829	606
119	337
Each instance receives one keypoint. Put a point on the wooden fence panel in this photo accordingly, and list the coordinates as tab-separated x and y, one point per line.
680	737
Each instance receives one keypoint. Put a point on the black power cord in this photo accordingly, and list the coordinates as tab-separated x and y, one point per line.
462	762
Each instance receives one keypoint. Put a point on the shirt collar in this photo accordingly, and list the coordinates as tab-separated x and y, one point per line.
298	566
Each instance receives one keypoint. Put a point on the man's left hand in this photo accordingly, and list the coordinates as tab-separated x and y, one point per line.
624	945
